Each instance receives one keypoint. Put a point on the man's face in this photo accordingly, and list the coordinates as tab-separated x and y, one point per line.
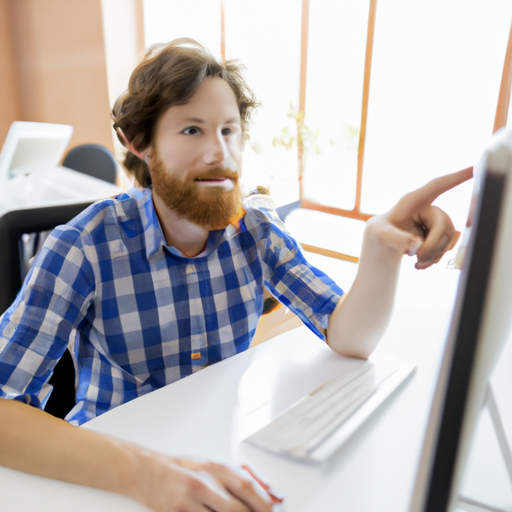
197	156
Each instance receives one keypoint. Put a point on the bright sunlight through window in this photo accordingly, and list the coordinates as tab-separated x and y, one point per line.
434	80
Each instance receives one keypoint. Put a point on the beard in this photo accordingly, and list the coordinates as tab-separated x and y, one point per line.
209	207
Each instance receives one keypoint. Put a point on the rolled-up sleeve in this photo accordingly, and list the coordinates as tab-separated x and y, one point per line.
297	284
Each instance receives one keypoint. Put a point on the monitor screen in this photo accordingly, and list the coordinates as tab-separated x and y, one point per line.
31	144
479	328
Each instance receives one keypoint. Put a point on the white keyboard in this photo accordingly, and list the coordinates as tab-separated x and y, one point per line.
320	422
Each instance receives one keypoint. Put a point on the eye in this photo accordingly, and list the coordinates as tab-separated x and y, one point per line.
226	131
191	131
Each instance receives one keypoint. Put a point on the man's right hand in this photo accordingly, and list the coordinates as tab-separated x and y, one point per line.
177	485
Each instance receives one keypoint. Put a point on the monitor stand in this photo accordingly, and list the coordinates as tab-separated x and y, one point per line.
469	504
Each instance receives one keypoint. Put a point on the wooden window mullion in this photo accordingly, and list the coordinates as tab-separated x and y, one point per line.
502	107
306	203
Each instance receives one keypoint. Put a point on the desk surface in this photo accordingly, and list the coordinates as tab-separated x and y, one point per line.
208	414
52	185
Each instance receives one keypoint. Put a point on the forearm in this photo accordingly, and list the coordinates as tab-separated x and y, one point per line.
37	443
362	315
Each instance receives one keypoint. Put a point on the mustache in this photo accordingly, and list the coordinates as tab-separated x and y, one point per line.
217	173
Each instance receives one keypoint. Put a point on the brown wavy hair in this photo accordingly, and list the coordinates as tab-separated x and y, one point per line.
169	75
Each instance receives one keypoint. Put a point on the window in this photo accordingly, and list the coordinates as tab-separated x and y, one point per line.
394	93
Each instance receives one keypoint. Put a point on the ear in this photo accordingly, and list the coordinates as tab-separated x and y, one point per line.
148	154
130	146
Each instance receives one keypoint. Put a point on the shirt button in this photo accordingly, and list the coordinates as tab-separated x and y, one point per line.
190	269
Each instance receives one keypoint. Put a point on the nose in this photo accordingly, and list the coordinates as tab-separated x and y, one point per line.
216	150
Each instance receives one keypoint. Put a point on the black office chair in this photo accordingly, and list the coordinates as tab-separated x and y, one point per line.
13	225
90	159
94	160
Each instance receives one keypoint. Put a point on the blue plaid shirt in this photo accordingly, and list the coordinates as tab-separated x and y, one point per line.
138	314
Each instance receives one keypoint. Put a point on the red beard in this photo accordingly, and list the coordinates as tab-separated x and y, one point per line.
209	207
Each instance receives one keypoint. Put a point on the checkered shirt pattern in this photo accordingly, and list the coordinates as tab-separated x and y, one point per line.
139	315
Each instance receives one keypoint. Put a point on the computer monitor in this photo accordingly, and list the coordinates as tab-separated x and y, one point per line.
31	145
480	326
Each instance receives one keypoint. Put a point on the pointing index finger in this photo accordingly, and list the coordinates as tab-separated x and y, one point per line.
429	192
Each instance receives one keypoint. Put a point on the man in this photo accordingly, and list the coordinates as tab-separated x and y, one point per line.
160	282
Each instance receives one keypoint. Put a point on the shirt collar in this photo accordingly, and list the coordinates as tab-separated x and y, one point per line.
153	234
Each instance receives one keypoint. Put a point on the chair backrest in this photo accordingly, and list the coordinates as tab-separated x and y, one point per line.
13	225
94	160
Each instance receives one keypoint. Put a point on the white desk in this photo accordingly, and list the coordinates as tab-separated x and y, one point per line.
206	415
52	185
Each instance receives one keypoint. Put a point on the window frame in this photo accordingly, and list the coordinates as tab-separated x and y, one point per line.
501	115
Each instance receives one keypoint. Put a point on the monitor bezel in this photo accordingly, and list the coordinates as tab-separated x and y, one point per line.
479	329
